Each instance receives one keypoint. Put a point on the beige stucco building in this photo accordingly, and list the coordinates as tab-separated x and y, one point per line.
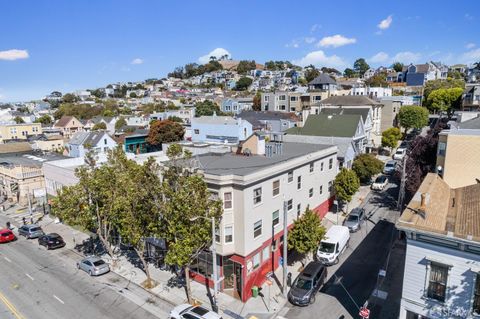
458	156
19	131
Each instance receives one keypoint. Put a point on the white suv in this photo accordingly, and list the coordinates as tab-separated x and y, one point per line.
187	311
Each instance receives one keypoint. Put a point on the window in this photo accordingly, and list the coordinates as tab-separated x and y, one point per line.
321	189
317	97
290	177
310	192
257	195
330	163
266	254
256	261
437	281
196	131
312	167
282	97
321	166
276	187
202	264
290	204
105	141
228	234
299	209
257	229
330	186
299	182
265	98
476	296
217	235
275	218
227	200
441	148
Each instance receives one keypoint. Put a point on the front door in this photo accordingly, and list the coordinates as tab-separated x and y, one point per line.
232	283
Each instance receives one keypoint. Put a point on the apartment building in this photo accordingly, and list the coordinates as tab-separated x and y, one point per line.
253	189
220	129
442	266
68	126
285	101
21	131
458	152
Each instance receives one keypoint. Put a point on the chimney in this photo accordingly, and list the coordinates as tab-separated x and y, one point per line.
423	202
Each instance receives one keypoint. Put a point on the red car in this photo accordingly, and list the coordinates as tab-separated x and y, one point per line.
6	235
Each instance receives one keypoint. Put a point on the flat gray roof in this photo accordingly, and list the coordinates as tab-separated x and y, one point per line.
232	164
30	160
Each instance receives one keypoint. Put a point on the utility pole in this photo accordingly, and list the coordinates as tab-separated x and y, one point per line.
285	247
214	259
401	193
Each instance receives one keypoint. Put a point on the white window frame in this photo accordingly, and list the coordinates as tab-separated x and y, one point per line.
330	163
276	218
321	166
310	193
299	182
275	189
312	167
265	254
225	234
225	201
427	280
290	204
255	196
255	226
290	177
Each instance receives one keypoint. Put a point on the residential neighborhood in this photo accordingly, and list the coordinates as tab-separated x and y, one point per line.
312	174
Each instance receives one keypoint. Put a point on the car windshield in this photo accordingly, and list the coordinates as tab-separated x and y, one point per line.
304	283
326	247
35	229
380	179
98	263
352	218
399	151
389	165
200	311
5	234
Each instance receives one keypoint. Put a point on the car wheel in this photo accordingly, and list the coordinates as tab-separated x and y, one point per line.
312	299
78	266
90	273
336	261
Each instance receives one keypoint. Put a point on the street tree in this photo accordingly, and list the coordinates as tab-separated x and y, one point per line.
433	85
206	108
187	210
165	131
346	184
243	84
18	120
413	116
44	119
306	233
443	100
366	166
257	102
361	66
390	137
99	126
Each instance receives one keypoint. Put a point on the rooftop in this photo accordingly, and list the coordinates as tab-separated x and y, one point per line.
232	164
349	100
448	212
328	125
322	79
33	159
226	120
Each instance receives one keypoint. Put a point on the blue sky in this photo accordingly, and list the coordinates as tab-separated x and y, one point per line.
68	45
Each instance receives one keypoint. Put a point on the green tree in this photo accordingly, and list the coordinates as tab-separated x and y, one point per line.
44	119
150	108
120	123
366	166
349	73
243	84
390	137
99	126
306	233
18	120
346	184
206	108
433	85
69	98
397	66
361	66
133	95
165	132
98	93
187	210
257	102
311	72
442	100
378	80
412	116
175	119
245	66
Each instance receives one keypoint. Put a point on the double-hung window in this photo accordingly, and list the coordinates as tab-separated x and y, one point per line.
437	281
276	187
275	218
257	229
228	234
257	195
299	182
227	200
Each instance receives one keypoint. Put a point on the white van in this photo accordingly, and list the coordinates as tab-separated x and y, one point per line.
335	242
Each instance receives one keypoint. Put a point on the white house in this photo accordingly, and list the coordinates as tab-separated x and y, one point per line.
442	266
98	141
220	129
372	92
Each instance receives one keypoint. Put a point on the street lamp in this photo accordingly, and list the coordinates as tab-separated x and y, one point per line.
214	259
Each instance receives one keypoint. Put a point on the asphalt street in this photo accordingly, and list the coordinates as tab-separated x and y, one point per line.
40	284
351	282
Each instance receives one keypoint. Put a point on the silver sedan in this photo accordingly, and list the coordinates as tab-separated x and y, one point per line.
94	266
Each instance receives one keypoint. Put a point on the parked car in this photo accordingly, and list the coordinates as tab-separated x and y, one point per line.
380	183
335	242
30	231
355	219
389	167
51	241
400	154
187	311
6	235
307	284
94	266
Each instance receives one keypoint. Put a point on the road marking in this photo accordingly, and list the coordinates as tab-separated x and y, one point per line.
11	307
30	277
7	259
59	300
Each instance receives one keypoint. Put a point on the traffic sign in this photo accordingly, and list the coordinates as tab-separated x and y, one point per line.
364	313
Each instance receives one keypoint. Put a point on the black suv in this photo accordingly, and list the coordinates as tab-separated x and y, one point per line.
307	284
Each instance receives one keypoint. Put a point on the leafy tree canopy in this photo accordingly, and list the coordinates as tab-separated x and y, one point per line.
99	126
18	120
120	123
257	102
346	184
433	85
366	166
349	73
245	66
243	84
413	116
306	233
390	137
165	132
311	73
378	80
397	66
442	100
44	119
206	108
361	66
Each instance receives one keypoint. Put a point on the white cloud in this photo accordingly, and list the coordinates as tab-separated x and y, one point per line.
218	52
379	57
13	54
137	61
470	45
385	23
407	57
470	56
318	58
310	40
335	41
